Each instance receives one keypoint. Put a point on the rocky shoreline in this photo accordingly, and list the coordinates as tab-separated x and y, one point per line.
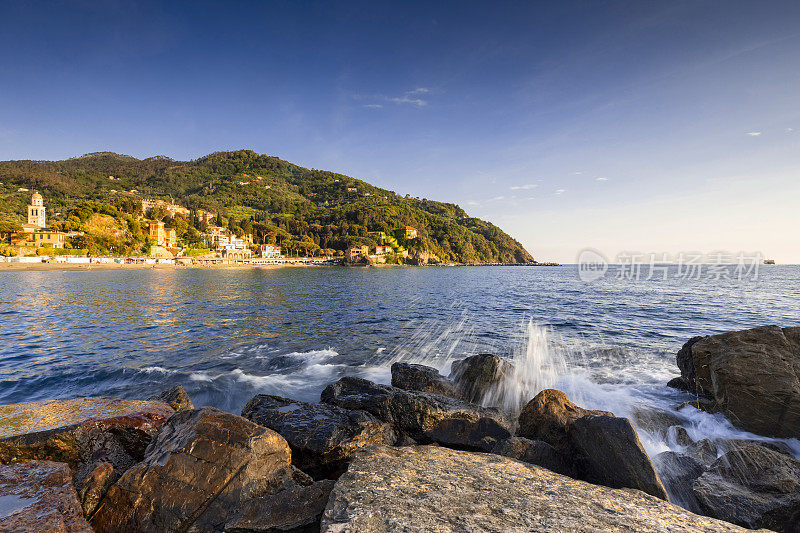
421	454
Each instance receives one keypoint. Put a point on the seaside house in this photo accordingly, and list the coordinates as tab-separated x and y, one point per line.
383	250
162	236
354	254
269	251
411	232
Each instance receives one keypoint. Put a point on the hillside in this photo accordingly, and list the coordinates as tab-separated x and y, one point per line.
273	199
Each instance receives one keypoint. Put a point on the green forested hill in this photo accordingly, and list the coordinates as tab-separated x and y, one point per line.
273	199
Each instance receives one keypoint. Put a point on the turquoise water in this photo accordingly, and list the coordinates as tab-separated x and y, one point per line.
228	334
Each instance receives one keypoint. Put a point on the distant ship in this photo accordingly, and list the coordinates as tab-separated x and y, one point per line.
769	261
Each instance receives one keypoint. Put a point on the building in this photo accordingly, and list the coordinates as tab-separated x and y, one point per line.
411	232
269	251
354	254
163	236
157	232
169	208
205	216
44	238
352	189
236	255
36	214
383	250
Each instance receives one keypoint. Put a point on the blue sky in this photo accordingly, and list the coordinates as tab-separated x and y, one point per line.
622	126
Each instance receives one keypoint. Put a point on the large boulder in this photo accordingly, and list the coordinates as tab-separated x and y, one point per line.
607	450
201	468
85	433
548	417
297	509
752	486
426	488
753	376
322	437
39	496
479	374
409	376
176	397
535	452
422	416
678	472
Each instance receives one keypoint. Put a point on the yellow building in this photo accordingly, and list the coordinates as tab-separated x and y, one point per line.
411	232
163	236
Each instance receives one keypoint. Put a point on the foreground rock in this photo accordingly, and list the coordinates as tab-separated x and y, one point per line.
39	496
176	397
477	376
424	488
422	378
86	433
297	509
596	446
752	486
753	376
422	416
322	437
198	475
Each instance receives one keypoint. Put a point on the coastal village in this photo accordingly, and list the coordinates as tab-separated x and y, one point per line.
37	242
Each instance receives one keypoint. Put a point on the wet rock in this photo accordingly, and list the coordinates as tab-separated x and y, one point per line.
703	450
176	397
607	451
753	376
422	416
678	472
775	446
548	417
297	509
82	432
200	468
680	436
754	487
95	486
654	420
426	488
678	383
39	496
477	375
77	431
322	437
422	378
536	452
707	405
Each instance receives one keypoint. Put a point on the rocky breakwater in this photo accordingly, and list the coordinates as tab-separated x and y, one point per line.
416	456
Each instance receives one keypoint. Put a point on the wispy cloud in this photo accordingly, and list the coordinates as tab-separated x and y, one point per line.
473	203
754	133
577	173
601	179
525	187
497	198
414	98
559	192
789	130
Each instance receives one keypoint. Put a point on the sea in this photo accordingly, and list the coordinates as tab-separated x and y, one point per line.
228	334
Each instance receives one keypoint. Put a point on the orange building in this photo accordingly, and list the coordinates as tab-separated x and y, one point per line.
411	232
354	254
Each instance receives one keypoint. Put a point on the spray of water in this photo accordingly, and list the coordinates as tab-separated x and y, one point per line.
538	364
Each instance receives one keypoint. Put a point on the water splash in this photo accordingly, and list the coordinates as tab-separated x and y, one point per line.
538	364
